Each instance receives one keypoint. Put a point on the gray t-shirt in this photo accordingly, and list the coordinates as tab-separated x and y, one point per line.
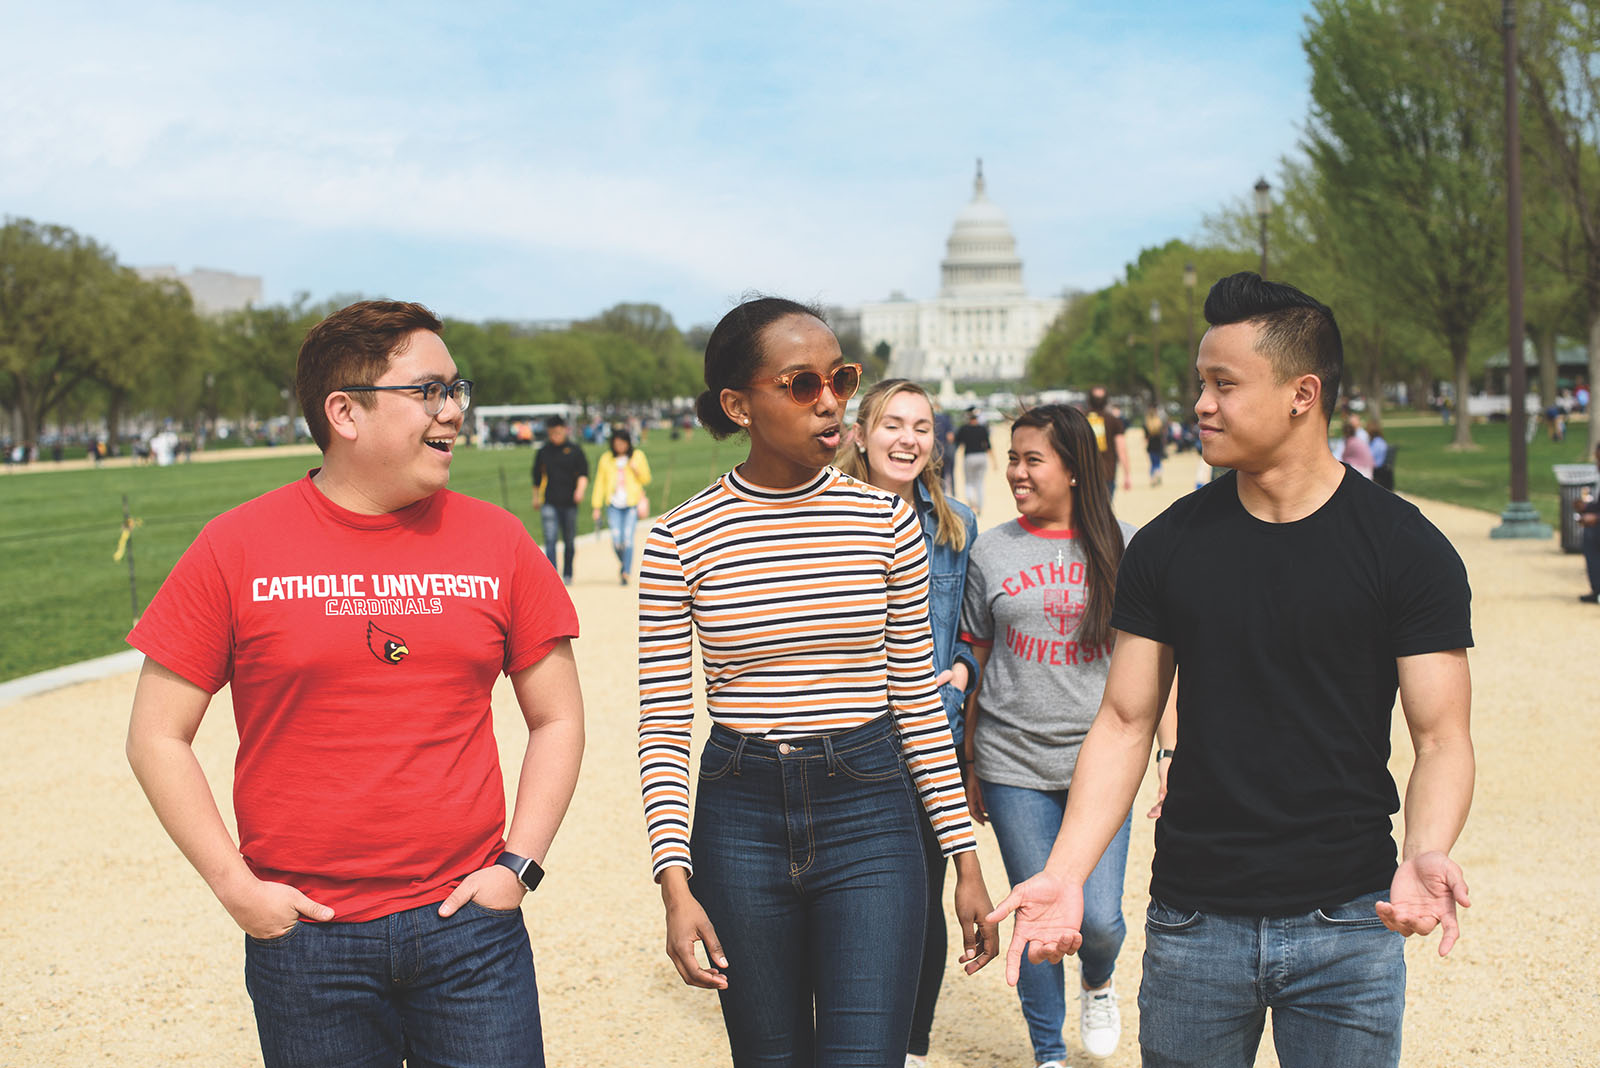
1026	593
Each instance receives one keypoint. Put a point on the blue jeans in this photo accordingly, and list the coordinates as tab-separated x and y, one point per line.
560	520
623	522
1335	980
457	991
808	861
1025	824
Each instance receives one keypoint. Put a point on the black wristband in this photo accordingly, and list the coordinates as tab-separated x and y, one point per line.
528	871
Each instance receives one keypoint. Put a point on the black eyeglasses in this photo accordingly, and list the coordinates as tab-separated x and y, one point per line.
433	393
804	387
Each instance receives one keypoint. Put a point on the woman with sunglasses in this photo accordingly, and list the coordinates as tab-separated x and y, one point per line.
804	876
1037	612
893	447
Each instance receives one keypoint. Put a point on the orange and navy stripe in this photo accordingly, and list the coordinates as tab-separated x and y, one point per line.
812	610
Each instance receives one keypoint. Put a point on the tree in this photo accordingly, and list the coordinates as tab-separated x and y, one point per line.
1404	138
1107	337
54	288
154	357
1562	73
255	354
577	373
671	366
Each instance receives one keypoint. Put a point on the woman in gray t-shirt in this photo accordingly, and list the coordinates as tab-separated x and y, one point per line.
1037	611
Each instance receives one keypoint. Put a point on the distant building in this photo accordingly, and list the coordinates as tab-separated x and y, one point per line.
214	292
982	325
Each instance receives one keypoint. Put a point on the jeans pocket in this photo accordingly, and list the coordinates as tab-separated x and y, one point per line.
878	762
276	940
715	762
1163	918
475	906
1355	914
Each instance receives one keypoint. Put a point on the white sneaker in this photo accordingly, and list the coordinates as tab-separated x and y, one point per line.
914	1061
1099	1021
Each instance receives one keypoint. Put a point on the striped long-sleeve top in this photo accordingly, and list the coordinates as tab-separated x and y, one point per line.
812	609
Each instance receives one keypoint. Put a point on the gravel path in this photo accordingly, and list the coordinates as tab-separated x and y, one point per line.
116	953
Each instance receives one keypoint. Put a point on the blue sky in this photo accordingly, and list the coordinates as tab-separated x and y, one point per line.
540	160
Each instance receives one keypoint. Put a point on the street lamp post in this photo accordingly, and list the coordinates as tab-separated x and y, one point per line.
1520	519
1155	353
1189	280
1263	212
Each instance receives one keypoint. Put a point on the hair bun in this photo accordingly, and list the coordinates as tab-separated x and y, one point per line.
708	408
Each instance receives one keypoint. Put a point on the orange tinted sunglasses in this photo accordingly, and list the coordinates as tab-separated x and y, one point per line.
804	387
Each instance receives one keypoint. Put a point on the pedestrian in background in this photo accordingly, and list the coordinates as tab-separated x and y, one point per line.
560	475
620	477
977	456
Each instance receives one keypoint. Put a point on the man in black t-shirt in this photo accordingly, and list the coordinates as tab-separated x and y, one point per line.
560	475
977	457
1293	598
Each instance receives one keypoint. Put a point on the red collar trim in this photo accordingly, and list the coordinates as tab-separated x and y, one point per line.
1040	532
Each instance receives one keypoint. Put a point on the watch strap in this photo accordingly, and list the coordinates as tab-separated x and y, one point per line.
527	870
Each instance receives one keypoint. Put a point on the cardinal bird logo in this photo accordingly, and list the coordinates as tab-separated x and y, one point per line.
390	648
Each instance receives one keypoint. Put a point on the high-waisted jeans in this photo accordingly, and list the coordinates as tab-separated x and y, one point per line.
808	861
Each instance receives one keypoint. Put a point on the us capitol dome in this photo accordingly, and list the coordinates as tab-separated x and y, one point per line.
982	325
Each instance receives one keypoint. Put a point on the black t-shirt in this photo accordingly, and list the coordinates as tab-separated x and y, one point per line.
974	437
1286	635
560	467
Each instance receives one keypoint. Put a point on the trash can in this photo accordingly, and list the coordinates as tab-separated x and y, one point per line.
1573	480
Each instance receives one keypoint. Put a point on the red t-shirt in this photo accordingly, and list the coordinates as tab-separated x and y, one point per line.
362	651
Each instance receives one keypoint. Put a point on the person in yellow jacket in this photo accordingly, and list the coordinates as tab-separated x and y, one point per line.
619	481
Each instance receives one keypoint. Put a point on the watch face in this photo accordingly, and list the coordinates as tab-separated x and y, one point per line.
530	875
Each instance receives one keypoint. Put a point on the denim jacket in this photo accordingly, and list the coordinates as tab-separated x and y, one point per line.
947	582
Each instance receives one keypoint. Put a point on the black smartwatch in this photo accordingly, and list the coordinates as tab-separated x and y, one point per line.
529	872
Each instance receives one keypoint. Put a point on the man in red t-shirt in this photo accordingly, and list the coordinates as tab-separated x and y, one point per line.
362	616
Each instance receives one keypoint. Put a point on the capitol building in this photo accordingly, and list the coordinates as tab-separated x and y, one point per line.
982	325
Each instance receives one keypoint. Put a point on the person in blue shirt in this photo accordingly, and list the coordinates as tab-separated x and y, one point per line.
895	447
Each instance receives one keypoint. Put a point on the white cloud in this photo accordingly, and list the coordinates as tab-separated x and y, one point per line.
817	150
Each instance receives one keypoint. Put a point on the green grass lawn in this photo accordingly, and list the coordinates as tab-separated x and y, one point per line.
1481	478
67	600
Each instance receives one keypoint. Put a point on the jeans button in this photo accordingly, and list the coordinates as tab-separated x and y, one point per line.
784	748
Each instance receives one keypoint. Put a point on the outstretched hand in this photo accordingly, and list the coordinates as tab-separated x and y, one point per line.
1049	921
1424	895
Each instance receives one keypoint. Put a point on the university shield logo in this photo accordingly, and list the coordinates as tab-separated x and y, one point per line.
390	648
1061	611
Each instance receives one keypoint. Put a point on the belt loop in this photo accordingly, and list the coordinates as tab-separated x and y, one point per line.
738	751
827	751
